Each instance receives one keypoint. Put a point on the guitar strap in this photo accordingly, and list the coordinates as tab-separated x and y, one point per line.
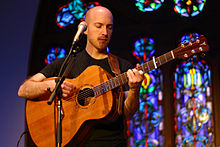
114	64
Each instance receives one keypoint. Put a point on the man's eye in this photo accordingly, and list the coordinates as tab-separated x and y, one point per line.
98	26
110	27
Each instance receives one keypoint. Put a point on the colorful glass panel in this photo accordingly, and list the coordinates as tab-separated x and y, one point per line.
193	103
144	48
148	5
54	54
189	8
64	17
74	10
189	37
146	127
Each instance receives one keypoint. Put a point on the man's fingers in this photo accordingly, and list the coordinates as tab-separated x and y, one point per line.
135	76
67	89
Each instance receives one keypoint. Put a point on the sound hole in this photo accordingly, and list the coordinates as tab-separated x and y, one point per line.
85	96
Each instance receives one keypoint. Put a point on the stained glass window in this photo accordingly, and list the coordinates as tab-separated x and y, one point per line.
75	10
193	102
54	54
148	5
146	127
189	37
64	17
189	8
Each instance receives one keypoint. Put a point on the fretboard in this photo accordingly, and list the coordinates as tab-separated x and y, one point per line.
123	79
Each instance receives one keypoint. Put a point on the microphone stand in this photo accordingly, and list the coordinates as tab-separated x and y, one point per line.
65	68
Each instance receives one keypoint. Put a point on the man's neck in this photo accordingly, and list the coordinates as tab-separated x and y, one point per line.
96	54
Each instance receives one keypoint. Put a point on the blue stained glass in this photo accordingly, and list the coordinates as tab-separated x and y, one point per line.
144	48
54	54
192	81
189	8
74	10
64	17
148	120
148	5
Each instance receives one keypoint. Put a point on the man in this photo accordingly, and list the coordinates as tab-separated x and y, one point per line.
100	25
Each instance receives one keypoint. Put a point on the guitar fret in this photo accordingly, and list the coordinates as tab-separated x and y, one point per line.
143	69
114	81
103	88
98	92
151	64
159	60
124	77
148	66
111	84
121	79
94	90
172	54
165	57
107	86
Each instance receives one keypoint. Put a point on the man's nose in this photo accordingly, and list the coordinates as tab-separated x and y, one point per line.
104	31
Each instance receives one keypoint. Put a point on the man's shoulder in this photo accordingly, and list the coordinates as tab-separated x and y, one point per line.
124	64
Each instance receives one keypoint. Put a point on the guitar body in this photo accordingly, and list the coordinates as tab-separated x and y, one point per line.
85	109
76	112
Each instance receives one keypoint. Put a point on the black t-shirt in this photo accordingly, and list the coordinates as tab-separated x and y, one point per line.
105	135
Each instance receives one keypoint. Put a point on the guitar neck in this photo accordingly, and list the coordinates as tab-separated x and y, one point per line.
123	78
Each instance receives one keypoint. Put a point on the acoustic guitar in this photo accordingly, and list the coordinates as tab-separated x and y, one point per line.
93	101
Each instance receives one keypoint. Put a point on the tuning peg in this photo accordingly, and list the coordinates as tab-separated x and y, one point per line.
191	59
200	49
202	55
197	40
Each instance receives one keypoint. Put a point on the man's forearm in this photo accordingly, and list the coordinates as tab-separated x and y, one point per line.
33	89
131	103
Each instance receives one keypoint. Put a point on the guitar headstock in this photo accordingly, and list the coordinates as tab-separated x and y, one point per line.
186	50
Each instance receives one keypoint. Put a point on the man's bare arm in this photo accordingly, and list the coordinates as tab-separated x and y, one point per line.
35	87
131	103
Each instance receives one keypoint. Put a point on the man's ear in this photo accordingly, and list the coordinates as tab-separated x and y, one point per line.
86	31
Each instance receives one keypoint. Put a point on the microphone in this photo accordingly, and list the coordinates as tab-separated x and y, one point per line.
81	28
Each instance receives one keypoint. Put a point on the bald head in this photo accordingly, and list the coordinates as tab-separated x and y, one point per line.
100	24
98	11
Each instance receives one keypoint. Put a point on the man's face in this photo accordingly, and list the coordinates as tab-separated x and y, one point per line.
99	30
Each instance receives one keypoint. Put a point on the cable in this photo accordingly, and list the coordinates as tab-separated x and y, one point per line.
25	132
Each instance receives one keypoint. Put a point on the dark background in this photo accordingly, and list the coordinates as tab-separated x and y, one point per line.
20	46
164	25
17	20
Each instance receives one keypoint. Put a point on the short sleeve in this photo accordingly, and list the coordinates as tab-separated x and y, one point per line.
52	70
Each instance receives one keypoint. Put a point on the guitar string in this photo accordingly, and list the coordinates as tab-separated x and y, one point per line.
82	95
86	93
